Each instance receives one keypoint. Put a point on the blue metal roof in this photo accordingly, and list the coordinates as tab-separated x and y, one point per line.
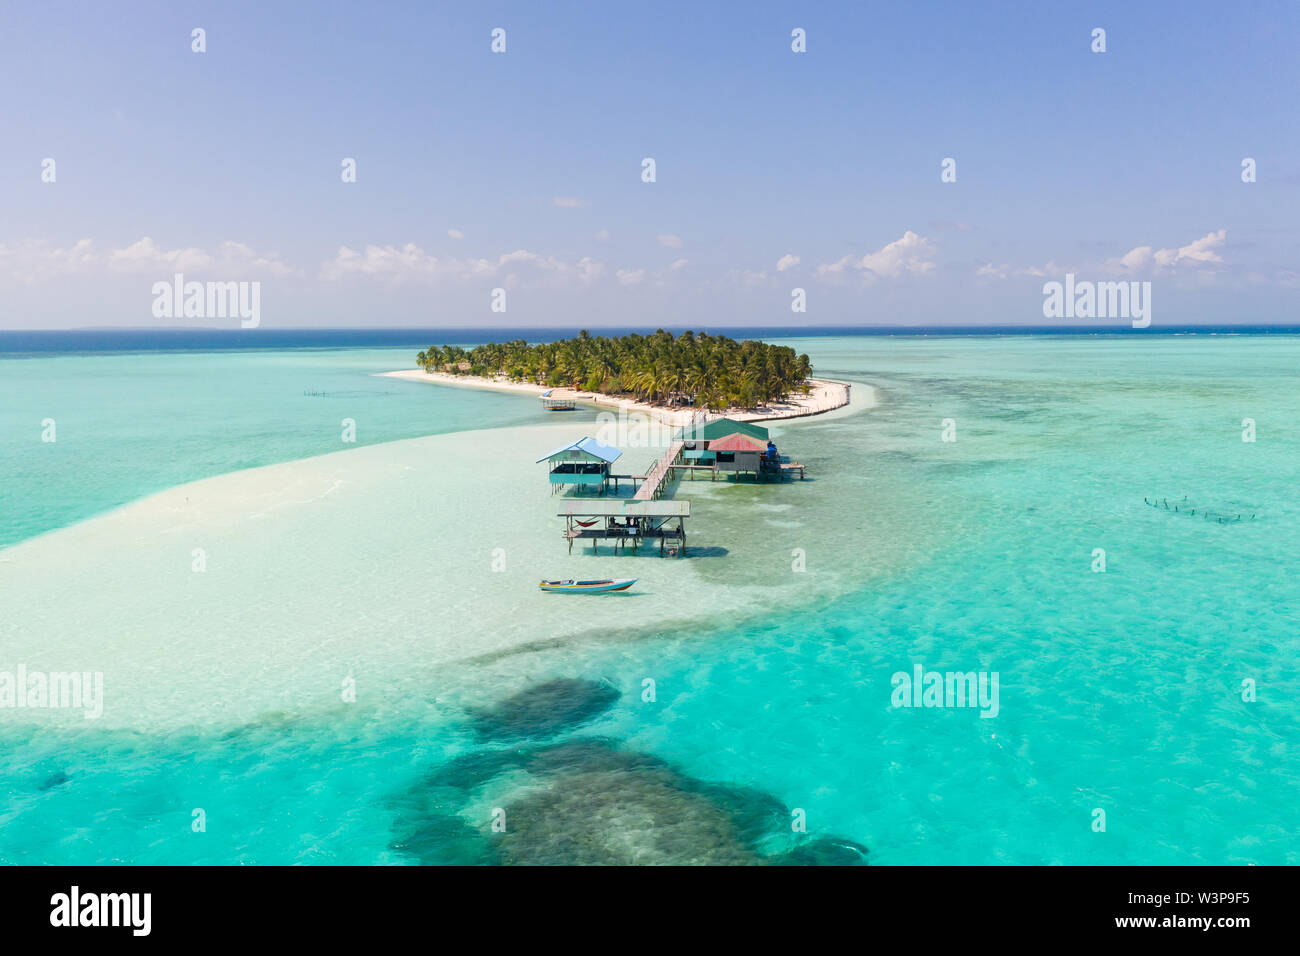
591	447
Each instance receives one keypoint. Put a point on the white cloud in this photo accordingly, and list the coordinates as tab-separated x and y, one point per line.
34	260
671	242
568	202
1004	271
631	276
412	262
146	254
746	277
1135	259
588	269
1202	250
786	262
679	264
380	261
455	234
602	236
910	254
1196	253
1140	259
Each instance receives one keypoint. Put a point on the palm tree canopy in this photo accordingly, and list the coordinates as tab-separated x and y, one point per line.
708	371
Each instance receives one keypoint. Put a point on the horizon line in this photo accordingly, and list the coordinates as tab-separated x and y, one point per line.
787	331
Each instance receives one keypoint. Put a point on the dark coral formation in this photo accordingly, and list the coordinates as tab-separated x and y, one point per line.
618	817
57	779
827	851
587	802
546	709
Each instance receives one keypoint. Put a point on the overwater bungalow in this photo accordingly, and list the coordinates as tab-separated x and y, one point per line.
734	447
583	463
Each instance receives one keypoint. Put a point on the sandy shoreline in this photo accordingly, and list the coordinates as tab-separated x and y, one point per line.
824	397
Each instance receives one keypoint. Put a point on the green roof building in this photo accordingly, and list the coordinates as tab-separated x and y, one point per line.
721	428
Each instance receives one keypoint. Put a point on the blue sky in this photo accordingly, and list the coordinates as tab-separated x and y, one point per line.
522	170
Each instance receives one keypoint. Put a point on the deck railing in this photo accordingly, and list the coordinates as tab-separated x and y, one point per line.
658	474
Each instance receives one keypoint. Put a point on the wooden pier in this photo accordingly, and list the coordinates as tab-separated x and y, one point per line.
659	474
692	469
616	480
787	470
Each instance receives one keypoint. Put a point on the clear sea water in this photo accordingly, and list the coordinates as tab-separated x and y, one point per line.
1119	691
128	424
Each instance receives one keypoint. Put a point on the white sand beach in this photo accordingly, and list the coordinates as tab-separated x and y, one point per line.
824	396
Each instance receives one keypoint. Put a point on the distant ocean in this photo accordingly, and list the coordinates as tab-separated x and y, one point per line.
1097	533
128	340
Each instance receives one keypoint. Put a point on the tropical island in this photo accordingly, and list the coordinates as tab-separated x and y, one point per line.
665	375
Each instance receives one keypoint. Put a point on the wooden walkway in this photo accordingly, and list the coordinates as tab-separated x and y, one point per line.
617	479
692	469
659	474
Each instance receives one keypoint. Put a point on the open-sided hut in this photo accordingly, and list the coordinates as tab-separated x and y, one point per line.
553	404
627	524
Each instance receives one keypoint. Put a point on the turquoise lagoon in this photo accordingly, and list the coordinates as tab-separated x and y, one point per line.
1119	691
129	424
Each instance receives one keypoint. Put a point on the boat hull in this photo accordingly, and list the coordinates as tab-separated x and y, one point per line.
587	587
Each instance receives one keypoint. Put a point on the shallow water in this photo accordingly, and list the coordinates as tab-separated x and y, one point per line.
1119	691
129	424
